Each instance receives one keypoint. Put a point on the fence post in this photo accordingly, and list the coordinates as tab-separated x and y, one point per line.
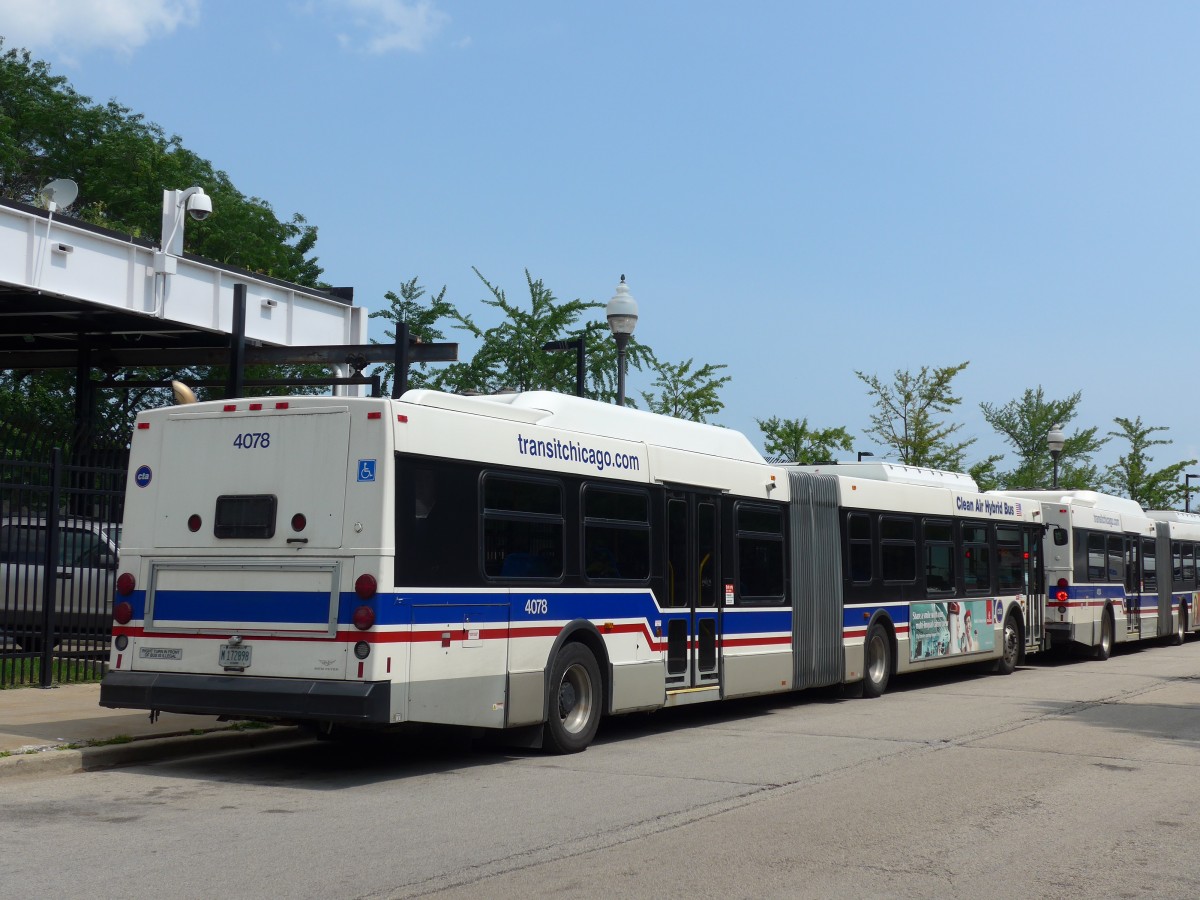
50	569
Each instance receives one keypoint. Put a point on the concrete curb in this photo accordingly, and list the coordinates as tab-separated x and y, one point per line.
54	761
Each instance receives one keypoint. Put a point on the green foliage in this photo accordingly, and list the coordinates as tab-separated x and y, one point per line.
791	440
685	394
984	473
422	320
1024	424
906	416
511	354
1131	475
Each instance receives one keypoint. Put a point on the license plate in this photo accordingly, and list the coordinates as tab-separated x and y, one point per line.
234	657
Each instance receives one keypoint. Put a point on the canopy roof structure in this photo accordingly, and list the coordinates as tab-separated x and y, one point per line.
77	296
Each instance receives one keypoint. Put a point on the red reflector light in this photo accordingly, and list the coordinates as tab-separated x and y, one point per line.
1062	583
1027	554
143	426
401	418
125	584
229	407
366	586
364	618
255	406
374	415
298	522
123	612
194	523
281	406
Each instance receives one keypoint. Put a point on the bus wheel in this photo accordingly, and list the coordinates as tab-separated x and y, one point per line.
1180	628
1103	650
574	700
1011	651
877	665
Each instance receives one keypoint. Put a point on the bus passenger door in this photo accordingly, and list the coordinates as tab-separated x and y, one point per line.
1035	589
1133	587
693	617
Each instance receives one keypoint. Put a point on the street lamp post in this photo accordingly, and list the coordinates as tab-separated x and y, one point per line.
578	346
1187	492
622	319
1055	440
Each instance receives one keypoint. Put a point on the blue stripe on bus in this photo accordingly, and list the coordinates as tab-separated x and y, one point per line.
407	607
858	616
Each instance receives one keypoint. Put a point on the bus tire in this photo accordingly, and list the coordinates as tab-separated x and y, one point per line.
877	661
573	701
1103	650
1180	627
1010	650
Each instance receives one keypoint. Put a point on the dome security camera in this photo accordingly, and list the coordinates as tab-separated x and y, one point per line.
199	206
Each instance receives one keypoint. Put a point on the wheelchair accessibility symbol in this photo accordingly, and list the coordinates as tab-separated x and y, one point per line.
366	470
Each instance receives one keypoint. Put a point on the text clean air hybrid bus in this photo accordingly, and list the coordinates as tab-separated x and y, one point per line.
533	561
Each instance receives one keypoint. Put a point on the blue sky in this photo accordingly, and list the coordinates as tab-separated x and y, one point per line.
797	190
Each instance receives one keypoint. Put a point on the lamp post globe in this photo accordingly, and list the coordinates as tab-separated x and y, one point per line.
1055	440
622	319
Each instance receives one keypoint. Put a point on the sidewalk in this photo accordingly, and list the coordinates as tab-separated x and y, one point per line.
64	729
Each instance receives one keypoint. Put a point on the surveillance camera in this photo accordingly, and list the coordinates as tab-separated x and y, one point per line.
199	206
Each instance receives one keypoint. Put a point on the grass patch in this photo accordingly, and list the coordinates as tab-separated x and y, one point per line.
22	672
248	726
99	742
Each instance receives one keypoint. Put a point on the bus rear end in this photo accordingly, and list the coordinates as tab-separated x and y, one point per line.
255	542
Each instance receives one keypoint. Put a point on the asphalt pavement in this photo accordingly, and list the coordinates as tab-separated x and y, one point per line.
64	729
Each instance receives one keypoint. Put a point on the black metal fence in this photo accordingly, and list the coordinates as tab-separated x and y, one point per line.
60	525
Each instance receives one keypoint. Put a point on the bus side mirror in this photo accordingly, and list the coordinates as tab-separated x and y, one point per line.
1060	536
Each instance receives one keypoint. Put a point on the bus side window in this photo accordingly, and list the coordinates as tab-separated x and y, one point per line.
616	533
1010	560
977	558
898	549
938	539
522	527
858	534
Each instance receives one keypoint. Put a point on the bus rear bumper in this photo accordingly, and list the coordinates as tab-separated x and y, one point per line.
350	702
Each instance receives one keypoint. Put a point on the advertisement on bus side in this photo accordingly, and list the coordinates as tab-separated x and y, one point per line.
950	628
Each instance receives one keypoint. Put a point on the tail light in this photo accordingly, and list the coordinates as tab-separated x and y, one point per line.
364	618
123	612
126	583
366	586
299	522
194	522
1061	594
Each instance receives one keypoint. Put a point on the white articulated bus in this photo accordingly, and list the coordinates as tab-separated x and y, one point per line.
532	561
1177	583
1106	568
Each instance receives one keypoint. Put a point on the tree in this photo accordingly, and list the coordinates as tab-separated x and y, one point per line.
906	416
422	319
791	440
1131	475
511	354
1024	424
685	394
